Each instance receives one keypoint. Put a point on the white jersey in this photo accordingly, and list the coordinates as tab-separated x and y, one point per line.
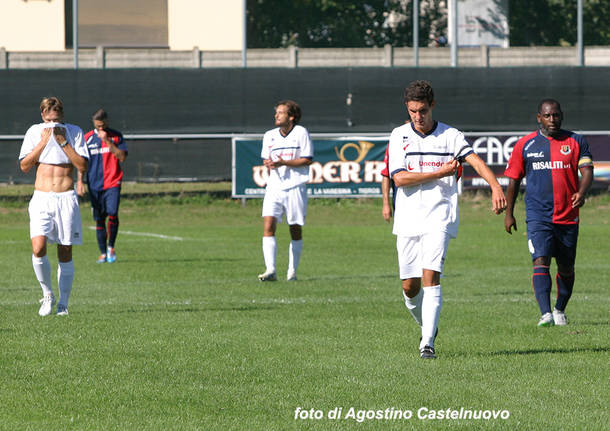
295	145
431	206
53	154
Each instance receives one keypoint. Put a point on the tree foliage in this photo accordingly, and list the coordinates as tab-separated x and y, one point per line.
331	23
554	22
350	23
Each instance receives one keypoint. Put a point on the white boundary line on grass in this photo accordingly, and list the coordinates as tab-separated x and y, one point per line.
153	235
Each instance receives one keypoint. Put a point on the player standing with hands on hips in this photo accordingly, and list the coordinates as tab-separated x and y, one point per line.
425	157
108	150
550	160
287	152
55	148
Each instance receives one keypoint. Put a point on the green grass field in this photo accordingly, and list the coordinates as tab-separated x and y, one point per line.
179	334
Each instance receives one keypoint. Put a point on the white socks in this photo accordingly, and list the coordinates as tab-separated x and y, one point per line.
430	310
414	305
294	255
269	247
42	269
269	251
65	277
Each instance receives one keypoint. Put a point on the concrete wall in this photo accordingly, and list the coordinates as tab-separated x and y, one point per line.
127	58
32	25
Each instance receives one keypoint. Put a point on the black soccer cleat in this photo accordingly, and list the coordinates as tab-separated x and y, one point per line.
427	352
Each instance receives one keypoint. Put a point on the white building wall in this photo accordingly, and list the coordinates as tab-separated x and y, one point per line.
211	25
34	25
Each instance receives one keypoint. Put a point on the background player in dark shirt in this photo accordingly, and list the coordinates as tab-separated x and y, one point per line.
550	160
107	151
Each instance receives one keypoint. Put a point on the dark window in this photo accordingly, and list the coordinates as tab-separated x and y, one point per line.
119	23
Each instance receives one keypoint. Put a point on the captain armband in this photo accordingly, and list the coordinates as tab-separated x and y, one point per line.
585	161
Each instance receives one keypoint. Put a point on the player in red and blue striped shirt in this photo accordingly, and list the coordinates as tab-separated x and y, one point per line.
550	160
107	151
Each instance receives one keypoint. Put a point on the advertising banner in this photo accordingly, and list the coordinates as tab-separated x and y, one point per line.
342	167
350	166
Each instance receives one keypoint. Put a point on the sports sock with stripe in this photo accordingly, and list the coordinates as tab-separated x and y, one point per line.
101	235
113	229
565	285
541	281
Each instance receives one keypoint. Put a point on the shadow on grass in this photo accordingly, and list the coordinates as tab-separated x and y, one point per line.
199	310
539	351
15	289
170	260
351	277
245	308
593	323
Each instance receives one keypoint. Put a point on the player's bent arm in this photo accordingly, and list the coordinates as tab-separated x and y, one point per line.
79	162
405	178
31	160
497	195
301	161
121	155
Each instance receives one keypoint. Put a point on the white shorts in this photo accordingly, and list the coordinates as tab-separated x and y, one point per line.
416	253
292	202
56	216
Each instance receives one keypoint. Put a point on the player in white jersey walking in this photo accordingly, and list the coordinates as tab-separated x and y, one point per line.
55	148
425	160
287	152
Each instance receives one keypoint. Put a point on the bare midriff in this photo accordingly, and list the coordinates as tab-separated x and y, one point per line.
54	178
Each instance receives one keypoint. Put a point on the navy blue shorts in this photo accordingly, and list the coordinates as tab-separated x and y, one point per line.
105	202
554	240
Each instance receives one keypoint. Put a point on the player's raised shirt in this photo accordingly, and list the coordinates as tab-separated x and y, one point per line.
431	206
295	145
550	167
53	154
104	170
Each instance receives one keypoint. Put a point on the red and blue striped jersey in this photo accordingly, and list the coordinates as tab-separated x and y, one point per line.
386	162
550	167
104	169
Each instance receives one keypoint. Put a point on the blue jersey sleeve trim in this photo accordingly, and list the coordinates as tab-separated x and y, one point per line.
397	171
462	157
